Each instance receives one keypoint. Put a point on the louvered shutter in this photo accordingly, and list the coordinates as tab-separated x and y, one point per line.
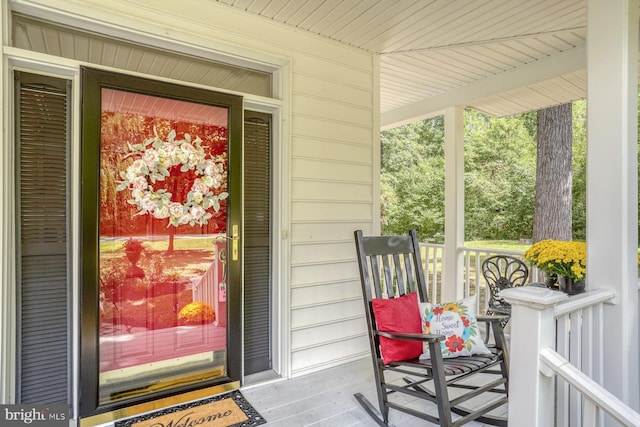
257	243
42	190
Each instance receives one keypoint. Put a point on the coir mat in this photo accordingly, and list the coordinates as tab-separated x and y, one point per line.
226	410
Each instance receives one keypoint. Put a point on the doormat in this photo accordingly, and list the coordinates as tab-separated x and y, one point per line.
226	410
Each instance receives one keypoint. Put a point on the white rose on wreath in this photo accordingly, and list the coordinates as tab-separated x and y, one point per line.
152	161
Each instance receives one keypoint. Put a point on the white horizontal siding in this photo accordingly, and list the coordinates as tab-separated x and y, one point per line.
332	174
331	190
332	110
302	232
304	168
333	162
332	150
311	359
333	63
310	253
318	127
349	328
304	210
319	314
322	293
317	87
308	274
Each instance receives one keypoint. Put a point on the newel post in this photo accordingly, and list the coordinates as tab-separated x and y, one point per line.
531	393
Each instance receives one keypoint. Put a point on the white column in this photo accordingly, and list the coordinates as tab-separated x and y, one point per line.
531	394
453	203
612	179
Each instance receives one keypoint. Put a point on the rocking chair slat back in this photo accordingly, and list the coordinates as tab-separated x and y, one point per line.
390	268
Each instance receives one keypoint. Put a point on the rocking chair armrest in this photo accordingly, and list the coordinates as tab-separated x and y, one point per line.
411	336
492	319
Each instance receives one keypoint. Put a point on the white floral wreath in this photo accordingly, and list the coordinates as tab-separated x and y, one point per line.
153	159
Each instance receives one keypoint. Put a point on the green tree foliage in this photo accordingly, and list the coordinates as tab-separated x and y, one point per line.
499	177
412	179
579	170
500	157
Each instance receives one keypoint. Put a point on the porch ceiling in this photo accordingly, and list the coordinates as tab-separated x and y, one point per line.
499	56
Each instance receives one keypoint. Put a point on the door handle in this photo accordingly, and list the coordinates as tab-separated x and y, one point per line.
234	242
235	238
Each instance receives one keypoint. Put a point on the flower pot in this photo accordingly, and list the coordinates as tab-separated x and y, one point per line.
134	270
569	286
552	282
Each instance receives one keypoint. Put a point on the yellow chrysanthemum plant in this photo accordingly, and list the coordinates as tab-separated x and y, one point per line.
562	259
196	313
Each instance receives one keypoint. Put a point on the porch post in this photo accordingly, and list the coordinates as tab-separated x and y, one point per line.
612	179
531	393
452	289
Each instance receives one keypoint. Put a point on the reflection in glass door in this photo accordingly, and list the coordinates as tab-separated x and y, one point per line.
163	192
161	300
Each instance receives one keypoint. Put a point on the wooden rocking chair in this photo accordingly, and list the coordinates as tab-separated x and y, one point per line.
391	275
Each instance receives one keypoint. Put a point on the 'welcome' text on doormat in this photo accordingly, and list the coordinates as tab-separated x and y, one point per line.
226	410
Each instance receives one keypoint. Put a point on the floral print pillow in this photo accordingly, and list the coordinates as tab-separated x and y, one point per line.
457	322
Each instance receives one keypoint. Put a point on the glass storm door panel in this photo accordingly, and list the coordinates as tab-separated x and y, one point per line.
166	238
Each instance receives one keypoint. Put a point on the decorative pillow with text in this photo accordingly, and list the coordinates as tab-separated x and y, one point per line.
457	322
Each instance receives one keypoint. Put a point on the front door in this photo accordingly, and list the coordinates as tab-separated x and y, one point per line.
161	246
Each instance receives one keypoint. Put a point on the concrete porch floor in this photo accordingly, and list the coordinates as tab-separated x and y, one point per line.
325	398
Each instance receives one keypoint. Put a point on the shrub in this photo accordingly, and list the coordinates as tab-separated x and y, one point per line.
196	313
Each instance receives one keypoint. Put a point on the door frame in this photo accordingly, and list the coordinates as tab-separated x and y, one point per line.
93	81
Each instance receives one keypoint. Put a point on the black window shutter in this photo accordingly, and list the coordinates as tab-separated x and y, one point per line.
257	243
42	118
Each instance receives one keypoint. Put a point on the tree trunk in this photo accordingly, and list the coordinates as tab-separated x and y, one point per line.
553	209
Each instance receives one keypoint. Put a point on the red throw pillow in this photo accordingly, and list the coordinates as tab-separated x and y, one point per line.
399	314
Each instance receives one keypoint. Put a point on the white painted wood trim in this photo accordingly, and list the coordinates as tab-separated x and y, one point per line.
578	302
612	209
589	388
453	203
7	198
531	390
376	227
568	62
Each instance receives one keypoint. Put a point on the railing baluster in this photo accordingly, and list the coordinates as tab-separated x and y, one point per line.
562	388
575	357
437	284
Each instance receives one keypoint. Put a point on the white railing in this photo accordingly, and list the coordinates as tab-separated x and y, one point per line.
572	358
207	288
556	371
474	282
433	259
596	399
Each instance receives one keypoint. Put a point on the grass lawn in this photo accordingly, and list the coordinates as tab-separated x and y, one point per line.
510	245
